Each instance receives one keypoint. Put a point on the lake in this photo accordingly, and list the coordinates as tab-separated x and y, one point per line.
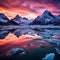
29	42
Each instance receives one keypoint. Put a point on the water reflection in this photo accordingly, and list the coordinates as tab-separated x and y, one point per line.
27	39
3	33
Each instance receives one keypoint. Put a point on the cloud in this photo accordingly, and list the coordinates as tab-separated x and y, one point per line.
29	7
57	12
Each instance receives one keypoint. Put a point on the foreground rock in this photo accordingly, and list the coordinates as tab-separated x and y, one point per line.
16	51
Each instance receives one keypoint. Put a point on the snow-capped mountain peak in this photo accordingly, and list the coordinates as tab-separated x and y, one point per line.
3	19
46	18
17	17
47	14
21	21
3	16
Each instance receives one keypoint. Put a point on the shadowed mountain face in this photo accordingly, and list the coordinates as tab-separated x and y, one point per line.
3	19
17	19
3	16
47	18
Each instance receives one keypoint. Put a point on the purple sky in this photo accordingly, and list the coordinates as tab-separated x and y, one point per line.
29	8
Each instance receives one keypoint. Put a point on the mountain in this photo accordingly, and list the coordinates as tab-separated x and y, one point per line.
3	19
21	21
25	21
3	16
17	19
46	18
56	20
11	22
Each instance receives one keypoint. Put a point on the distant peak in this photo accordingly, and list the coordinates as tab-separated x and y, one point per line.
46	11
2	14
25	18
18	16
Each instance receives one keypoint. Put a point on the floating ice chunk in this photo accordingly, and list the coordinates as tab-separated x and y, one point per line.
49	56
17	51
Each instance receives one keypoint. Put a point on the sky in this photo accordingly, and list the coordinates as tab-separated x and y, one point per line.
29	8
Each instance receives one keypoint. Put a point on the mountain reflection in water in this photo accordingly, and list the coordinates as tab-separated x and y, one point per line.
28	39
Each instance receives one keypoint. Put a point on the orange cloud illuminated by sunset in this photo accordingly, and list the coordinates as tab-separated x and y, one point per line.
28	8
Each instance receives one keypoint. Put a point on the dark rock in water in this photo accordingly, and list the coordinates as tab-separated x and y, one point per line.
16	51
3	33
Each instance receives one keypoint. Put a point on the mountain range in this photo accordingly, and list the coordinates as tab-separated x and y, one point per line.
46	18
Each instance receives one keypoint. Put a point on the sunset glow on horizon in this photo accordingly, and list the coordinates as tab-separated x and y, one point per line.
28	8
